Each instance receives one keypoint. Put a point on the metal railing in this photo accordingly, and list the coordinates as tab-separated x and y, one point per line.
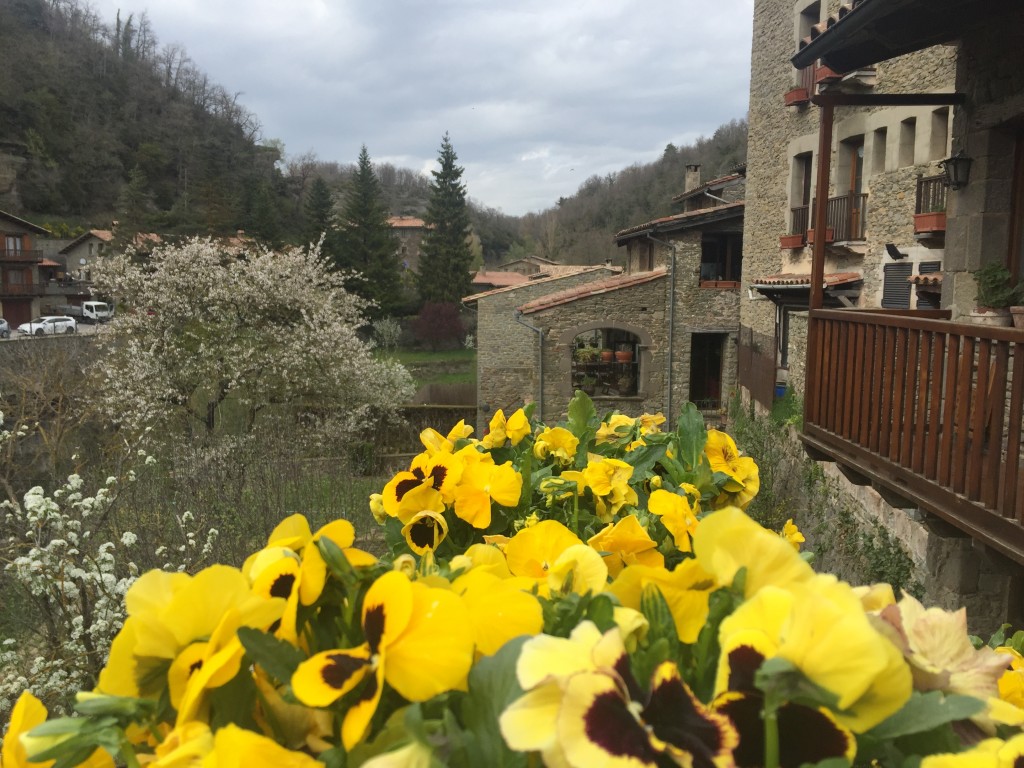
930	409
799	220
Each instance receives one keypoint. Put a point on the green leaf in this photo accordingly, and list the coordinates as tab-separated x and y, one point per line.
692	435
601	611
782	681
581	413
234	702
492	687
926	711
277	657
643	459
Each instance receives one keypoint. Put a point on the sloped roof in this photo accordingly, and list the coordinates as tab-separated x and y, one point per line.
531	258
50	263
498	279
106	236
22	223
558	270
683	220
493	291
595	288
406	222
719	183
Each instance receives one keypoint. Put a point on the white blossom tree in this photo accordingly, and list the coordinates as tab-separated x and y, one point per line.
212	340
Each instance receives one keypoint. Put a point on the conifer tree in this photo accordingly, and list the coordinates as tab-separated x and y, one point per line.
321	221
445	255
367	243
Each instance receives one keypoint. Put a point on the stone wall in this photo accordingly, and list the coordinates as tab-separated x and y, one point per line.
507	370
990	73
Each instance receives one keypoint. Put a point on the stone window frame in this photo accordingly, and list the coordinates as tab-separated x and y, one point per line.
645	342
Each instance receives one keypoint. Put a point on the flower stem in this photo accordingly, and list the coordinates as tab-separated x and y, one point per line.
771	733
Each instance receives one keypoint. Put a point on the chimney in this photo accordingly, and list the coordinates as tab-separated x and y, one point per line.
692	177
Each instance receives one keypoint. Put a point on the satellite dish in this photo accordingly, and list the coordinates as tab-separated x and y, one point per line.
83	262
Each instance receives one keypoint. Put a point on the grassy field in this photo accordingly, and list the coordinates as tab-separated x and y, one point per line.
457	366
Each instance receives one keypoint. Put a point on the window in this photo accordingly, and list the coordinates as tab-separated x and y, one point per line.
800	193
896	286
644	256
878	148
721	256
908	138
14	243
605	363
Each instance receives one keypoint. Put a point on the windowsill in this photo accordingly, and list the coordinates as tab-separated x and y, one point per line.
722	285
618	397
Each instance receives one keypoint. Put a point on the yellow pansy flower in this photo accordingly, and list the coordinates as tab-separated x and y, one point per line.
425	531
517	427
19	746
617	427
723	456
626	543
686	589
676	515
498	609
192	617
792	534
483	482
651	422
496	435
416	640
990	753
609	480
579	569
435	442
820	628
533	551
1011	683
727	540
235	747
187	746
557	443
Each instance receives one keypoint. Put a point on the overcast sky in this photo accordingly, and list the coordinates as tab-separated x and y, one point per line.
537	95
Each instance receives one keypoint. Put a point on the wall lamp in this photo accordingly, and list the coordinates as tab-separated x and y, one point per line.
956	170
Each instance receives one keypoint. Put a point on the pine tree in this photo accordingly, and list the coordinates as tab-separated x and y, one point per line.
319	210
445	255
367	243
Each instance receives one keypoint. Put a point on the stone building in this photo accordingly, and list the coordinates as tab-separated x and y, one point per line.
882	157
649	339
918	414
410	231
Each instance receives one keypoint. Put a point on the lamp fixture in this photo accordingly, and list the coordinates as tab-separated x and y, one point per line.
956	170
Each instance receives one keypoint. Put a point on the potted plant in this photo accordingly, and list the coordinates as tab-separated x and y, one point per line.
607	355
586	354
624	354
589	384
996	294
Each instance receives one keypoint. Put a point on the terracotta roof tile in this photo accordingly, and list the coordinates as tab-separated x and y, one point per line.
790	278
406	222
708	185
493	291
592	289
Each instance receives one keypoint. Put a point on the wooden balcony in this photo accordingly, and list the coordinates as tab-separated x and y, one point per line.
13	290
930	206
926	409
846	216
20	257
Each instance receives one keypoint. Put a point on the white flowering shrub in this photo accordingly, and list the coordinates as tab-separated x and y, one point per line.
66	571
209	340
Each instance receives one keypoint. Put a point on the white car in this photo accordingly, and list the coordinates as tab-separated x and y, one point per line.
49	324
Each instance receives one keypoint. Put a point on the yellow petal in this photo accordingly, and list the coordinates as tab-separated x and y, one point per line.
292	532
28	712
498	611
435	651
360	714
236	747
528	723
581	567
545	657
533	550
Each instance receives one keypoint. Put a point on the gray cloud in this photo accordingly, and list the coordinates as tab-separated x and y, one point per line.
537	96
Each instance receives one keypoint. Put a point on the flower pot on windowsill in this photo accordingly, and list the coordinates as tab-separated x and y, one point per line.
791	241
607	355
624	356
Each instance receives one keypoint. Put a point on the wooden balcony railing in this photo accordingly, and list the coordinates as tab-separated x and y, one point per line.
21	289
799	218
929	409
846	215
32	257
931	195
805	79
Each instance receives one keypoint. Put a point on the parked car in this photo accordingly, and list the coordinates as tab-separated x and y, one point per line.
5	329
48	325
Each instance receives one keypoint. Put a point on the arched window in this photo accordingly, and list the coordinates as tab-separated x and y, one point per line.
606	362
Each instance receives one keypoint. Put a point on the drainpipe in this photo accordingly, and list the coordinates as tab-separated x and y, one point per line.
540	368
671	317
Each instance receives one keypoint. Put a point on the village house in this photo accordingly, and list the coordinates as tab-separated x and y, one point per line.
29	279
646	339
410	231
891	128
527	265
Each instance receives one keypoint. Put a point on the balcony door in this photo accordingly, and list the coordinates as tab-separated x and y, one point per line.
1015	257
854	147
